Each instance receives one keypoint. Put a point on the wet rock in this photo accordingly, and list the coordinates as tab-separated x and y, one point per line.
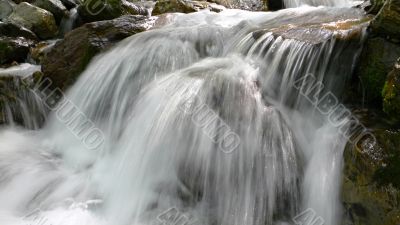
387	21
56	7
69	4
14	30
96	10
183	6
70	56
391	93
40	21
14	49
18	104
39	51
6	8
376	61
370	190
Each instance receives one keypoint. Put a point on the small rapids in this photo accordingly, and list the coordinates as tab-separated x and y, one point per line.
202	116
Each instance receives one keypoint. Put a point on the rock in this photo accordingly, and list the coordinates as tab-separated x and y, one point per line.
183	6
19	1
6	8
14	30
376	61
39	51
70	56
371	184
69	4
40	21
391	93
56	7
375	7
96	10
387	22
14	49
252	5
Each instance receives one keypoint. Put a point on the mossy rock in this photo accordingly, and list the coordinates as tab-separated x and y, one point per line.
371	188
376	61
387	22
391	93
56	7
14	49
40	21
97	10
69	57
183	6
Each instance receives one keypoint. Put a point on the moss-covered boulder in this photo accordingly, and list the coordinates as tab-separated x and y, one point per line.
183	6
391	93
40	21
14	49
56	7
376	61
387	21
371	182
96	10
69	57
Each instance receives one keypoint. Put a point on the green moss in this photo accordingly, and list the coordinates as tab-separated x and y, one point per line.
391	93
374	73
390	172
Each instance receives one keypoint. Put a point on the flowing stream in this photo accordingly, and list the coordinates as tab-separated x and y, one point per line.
201	116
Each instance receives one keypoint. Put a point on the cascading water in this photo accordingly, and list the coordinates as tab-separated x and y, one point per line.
201	115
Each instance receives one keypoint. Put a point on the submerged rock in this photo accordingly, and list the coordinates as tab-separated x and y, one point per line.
391	92
70	56
14	49
56	7
183	6
40	21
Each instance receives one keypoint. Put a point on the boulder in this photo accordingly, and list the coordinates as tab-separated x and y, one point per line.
14	49
96	10
391	93
40	21
183	6
387	22
14	30
56	7
6	8
371	181
69	57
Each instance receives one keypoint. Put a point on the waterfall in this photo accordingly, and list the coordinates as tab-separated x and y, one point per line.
205	118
